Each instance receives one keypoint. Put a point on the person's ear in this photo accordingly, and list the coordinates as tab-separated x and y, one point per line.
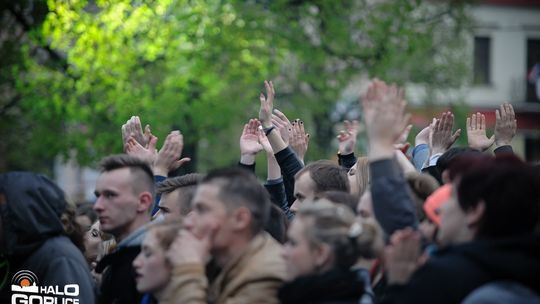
475	214
242	218
323	255
145	202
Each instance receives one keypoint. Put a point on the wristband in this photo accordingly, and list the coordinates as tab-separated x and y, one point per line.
268	130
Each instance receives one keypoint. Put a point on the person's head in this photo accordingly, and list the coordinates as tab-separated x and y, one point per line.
176	195
85	215
317	177
73	230
125	195
31	207
231	205
492	198
359	176
325	236
92	243
339	197
364	209
152	268
421	186
447	158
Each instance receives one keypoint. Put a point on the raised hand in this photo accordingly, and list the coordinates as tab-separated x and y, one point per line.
385	118
267	105
147	154
133	128
402	256
299	140
441	138
476	133
168	158
347	137
423	136
282	123
249	140
505	125
401	143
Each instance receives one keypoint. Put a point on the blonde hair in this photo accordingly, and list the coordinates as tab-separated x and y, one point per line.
362	175
337	226
165	232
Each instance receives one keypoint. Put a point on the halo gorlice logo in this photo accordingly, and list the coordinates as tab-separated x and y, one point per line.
26	290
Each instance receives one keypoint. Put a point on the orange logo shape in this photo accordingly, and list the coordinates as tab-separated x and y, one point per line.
24	278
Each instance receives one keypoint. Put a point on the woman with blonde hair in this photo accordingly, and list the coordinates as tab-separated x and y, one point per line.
152	268
325	242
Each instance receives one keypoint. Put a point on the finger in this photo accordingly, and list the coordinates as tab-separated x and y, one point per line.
468	123
503	112
244	132
483	122
152	143
511	111
497	115
181	162
491	140
449	124
281	116
307	139
473	122
302	131
456	135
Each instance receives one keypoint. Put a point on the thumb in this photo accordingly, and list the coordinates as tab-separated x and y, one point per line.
152	143
492	139
181	162
456	135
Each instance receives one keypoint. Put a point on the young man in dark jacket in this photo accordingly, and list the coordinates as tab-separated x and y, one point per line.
125	194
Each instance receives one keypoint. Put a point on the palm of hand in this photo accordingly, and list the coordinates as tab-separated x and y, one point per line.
249	143
478	140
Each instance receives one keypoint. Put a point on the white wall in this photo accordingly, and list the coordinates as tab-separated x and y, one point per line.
509	29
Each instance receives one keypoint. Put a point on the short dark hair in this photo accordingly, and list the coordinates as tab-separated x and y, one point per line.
140	170
240	188
509	188
86	209
327	176
445	161
188	183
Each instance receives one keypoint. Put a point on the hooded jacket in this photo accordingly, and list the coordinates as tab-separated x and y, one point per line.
453	273
32	236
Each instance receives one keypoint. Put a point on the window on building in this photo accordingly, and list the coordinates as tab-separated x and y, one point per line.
533	74
482	60
532	149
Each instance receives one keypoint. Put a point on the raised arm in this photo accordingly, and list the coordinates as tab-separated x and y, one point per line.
385	119
347	143
265	117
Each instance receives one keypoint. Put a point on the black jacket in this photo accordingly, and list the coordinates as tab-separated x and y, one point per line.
118	282
336	286
33	236
452	273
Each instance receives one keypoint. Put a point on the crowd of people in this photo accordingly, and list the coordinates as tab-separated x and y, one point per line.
421	223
